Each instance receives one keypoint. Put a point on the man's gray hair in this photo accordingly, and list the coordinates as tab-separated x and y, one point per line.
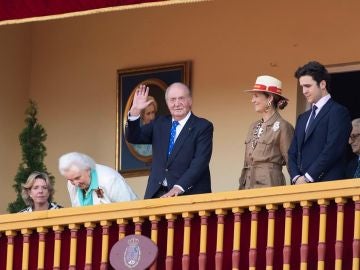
79	160
180	85
356	123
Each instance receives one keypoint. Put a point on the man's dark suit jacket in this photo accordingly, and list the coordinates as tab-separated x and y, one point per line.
321	152
188	163
351	167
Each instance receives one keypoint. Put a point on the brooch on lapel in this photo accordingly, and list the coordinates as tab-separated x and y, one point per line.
276	126
99	193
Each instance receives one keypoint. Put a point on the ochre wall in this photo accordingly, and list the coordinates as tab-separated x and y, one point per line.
74	63
15	60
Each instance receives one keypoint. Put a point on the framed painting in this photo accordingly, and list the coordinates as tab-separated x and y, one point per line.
135	159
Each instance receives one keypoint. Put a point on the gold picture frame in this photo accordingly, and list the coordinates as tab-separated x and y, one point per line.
132	161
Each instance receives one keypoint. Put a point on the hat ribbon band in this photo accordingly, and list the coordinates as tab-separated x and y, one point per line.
272	89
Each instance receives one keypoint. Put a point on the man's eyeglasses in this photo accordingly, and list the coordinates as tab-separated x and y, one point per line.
354	136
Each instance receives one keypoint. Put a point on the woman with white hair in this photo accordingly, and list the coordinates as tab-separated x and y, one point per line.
38	192
90	183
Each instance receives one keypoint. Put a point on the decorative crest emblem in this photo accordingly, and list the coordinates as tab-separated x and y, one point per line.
132	254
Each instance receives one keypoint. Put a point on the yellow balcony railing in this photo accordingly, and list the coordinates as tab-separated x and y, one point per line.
312	226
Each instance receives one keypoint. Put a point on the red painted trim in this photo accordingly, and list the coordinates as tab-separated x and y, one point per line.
10	240
89	231
204	220
185	262
304	251
58	235
21	9
220	219
288	212
138	227
252	257
321	251
42	237
323	209
306	211
170	224
169	262
269	256
187	222
235	259
237	217
356	248
122	228
219	260
26	238
339	246
340	207
202	261
254	216
105	230
287	254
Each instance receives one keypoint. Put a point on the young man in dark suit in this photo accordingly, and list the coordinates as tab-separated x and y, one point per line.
353	168
181	143
318	149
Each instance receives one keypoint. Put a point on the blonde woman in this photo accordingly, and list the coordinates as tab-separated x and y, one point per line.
38	192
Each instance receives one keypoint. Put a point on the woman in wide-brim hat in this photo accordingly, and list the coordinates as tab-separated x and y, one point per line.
268	139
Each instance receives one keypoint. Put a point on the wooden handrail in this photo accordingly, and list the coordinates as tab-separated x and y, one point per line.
178	205
306	226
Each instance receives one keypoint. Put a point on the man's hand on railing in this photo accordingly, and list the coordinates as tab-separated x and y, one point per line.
175	191
301	180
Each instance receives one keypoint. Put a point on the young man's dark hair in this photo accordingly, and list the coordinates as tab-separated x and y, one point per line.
317	71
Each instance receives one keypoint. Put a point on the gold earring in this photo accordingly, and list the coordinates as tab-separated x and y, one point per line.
268	105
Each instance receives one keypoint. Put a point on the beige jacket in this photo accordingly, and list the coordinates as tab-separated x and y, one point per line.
263	165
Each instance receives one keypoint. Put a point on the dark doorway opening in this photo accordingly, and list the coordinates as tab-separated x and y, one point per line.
345	89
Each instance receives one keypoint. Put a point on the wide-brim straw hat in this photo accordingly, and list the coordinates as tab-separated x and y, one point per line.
269	84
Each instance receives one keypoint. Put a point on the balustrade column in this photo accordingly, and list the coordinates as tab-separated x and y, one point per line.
203	239
41	252
304	249
219	238
57	246
170	241
322	234
10	249
236	244
186	245
253	236
105	224
339	246
356	240
89	244
26	247
270	236
122	222
287	239
73	245
138	223
154	235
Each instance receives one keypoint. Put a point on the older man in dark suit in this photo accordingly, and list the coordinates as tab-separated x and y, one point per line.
182	144
317	152
353	169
